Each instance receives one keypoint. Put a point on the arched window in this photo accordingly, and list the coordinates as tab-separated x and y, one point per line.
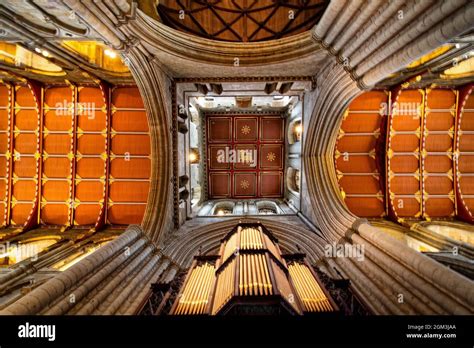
223	208
267	208
293	180
295	130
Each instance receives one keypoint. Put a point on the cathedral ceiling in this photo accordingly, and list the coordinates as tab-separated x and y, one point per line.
241	21
72	156
407	154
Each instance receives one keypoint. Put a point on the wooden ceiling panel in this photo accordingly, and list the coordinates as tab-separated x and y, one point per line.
136	168
26	120
93	121
438	185
405	143
246	129
90	168
271	184
91	97
404	185
271	157
439	207
126	214
366	206
24	190
57	120
128	191
4	116
24	97
467	184
466	163
272	129
25	167
4	140
236	21
130	121
58	97
57	144
26	143
55	214
364	184
438	164
127	98
356	143
90	191
356	164
466	143
443	99
245	185
438	143
403	123
91	144
438	121
219	129
372	100
361	122
86	214
219	185
44	168
20	213
404	163
136	144
3	169
57	190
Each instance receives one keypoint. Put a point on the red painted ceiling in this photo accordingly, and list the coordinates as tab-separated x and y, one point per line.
263	135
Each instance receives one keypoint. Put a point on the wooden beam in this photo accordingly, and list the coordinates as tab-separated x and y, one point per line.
10	150
102	218
75	120
463	212
38	94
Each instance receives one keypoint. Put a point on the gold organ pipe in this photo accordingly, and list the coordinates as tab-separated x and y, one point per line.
308	289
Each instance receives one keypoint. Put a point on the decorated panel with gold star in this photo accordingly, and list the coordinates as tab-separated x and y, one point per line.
255	144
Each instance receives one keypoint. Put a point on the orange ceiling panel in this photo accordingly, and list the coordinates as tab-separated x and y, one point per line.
361	122
90	191
130	122
86	214
357	161
57	190
56	167
421	144
95	121
438	121
90	168
137	168
372	101
62	150
26	120
124	214
366	206
356	164
127	98
362	184
439	207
